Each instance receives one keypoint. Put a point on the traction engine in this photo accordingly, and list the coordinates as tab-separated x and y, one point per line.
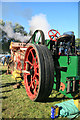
48	64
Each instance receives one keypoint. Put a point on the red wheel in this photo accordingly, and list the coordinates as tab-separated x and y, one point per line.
53	34
19	66
19	60
38	72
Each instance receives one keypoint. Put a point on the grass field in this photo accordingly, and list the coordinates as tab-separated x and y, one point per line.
16	104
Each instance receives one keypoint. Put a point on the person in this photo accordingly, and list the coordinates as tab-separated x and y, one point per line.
8	62
3	60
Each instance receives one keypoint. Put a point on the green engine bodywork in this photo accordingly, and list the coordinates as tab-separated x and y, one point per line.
72	63
73	71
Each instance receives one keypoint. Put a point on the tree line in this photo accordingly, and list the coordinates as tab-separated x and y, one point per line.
5	39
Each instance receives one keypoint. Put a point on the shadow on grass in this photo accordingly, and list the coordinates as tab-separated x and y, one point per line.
3	110
8	84
4	97
55	99
5	91
3	72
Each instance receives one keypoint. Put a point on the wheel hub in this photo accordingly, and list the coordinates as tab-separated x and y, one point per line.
32	71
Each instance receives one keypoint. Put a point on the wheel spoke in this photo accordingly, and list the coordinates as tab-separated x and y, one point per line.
32	55
35	91
52	32
37	82
29	52
34	59
37	66
55	34
51	35
36	63
28	62
37	74
32	81
25	71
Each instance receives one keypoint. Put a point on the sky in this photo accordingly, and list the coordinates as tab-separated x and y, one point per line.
39	0
62	16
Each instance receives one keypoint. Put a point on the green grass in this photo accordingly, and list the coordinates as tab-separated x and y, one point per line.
16	104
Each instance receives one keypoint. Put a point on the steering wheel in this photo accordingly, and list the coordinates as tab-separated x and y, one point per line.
53	34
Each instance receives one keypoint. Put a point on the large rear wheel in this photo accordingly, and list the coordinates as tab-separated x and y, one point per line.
38	72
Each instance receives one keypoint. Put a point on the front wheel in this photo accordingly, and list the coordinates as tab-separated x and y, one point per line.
38	72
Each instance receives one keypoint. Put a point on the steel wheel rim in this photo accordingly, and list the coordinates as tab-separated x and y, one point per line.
31	78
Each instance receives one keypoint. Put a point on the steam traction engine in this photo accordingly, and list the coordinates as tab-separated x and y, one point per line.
48	64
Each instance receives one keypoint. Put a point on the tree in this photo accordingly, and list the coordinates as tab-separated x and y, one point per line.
3	37
7	35
30	33
2	22
20	29
2	33
77	43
